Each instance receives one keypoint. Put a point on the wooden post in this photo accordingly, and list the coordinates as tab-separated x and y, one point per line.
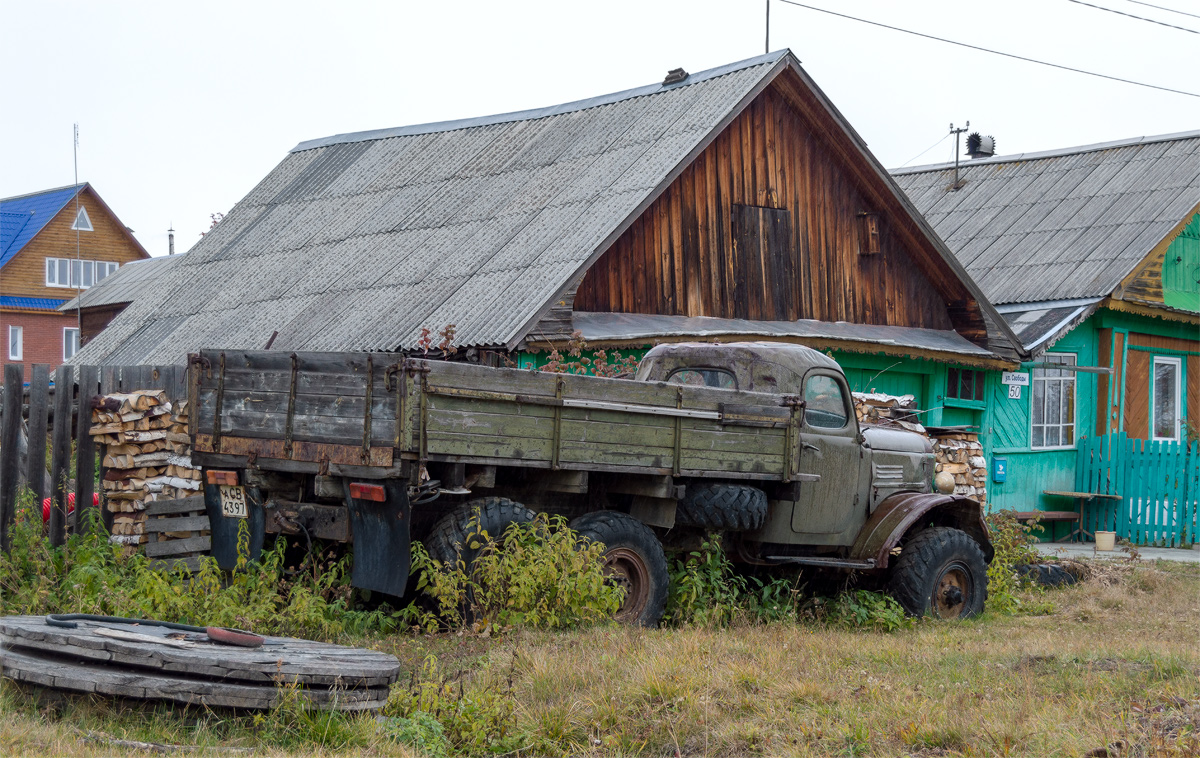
39	414
10	457
60	452
85	448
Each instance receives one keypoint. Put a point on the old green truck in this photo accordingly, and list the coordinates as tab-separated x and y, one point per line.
758	441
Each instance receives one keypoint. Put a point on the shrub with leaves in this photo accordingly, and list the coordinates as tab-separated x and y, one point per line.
1013	540
706	590
537	575
89	575
863	609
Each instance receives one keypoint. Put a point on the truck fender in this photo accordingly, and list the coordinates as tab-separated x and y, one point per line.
900	512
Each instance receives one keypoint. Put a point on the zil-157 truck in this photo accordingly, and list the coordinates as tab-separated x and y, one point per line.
757	441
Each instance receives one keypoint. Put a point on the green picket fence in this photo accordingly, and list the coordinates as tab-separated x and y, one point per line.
1159	485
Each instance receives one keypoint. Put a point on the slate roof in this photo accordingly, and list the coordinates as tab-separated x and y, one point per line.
1060	224
126	284
356	242
22	217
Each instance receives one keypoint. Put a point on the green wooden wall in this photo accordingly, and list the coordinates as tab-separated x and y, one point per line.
1181	269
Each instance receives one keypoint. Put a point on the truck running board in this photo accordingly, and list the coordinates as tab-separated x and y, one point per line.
805	560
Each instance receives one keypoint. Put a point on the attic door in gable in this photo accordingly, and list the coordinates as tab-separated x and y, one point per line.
762	265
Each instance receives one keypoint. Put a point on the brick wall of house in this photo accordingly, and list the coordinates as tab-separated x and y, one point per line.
43	337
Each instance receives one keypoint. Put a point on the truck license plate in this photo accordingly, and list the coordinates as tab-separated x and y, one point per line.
233	501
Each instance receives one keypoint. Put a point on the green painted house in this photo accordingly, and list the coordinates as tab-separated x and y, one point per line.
1092	255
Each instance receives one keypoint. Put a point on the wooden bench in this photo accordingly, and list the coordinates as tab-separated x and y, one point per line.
1084	499
1047	515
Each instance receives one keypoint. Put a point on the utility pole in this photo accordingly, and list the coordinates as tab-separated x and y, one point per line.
768	45
957	132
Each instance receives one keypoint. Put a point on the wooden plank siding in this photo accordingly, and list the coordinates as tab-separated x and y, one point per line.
25	274
764	224
1137	394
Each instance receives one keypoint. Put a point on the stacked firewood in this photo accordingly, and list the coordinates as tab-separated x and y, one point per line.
960	454
887	410
147	458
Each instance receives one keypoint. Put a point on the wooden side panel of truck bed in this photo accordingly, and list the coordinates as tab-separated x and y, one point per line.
316	405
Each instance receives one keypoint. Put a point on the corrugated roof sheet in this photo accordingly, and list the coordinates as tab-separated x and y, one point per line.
356	242
30	303
125	284
1064	223
22	217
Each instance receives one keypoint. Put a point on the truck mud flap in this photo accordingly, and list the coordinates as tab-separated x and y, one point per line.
225	529
381	539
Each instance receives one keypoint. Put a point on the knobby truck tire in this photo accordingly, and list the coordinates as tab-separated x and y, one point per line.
941	571
722	507
448	540
634	558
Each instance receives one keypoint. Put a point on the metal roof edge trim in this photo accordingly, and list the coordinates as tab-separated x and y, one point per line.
1054	153
534	113
1046	304
77	187
1059	330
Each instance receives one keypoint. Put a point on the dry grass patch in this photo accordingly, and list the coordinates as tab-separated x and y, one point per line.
1112	669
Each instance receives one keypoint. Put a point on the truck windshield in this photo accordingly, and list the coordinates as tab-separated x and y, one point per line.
703	377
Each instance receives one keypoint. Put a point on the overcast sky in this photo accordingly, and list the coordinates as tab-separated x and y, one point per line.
184	107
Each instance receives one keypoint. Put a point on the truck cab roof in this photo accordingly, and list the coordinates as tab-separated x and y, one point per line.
777	367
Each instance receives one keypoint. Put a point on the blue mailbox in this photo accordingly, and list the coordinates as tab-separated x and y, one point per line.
999	469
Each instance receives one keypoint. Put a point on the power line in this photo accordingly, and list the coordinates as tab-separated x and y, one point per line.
1130	15
926	150
1162	8
994	52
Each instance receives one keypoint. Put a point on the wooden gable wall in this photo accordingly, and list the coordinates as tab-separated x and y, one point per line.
765	224
25	274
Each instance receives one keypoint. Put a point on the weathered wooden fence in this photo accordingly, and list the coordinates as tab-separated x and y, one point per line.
1159	485
58	405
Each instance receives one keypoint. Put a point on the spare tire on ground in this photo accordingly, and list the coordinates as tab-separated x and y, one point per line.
1046	574
722	507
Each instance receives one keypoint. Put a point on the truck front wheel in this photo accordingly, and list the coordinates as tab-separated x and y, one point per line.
940	572
633	558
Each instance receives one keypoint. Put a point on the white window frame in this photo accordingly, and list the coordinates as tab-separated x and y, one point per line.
67	330
1045	380
16	347
1178	364
52	271
82	222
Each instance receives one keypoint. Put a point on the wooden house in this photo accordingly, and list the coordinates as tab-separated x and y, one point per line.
729	204
54	244
1092	254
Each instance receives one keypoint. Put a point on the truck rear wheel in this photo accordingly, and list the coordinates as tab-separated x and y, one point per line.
940	572
448	540
633	558
722	507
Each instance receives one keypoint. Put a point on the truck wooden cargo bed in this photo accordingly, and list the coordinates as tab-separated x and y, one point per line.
385	411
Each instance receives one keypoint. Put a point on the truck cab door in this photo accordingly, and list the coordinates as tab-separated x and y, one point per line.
830	447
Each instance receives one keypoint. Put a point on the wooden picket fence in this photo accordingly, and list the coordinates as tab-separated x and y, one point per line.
1159	486
64	417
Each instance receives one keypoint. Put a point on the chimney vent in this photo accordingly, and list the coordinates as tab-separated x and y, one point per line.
675	75
979	146
171	240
